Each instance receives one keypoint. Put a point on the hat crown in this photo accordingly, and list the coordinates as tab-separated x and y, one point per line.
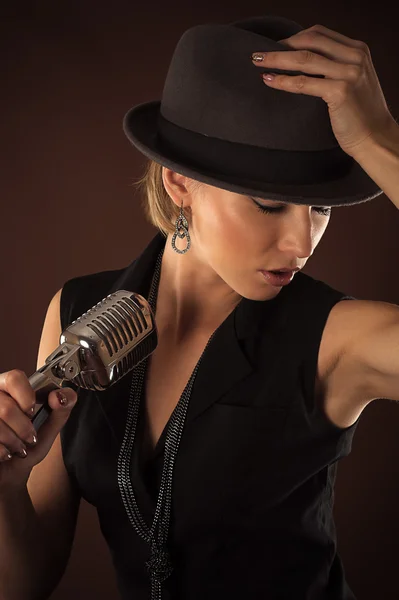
220	124
213	88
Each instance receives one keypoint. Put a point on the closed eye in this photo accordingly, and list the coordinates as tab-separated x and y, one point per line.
322	210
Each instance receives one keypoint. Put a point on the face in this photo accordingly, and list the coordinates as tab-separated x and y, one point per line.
238	236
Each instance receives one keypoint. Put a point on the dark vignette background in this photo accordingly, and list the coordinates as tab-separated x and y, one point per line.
69	72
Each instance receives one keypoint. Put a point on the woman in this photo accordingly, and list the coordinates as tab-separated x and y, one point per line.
212	467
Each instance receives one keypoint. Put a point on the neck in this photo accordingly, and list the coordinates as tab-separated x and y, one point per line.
192	297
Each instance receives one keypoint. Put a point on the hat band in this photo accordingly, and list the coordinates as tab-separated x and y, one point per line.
223	157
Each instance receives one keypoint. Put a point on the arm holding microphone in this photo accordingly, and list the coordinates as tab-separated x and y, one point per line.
94	352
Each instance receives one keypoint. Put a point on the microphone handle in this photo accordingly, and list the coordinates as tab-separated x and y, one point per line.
42	386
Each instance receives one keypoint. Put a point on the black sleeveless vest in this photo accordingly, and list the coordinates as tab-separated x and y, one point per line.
252	496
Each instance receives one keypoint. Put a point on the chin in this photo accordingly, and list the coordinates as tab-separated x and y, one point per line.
268	295
261	294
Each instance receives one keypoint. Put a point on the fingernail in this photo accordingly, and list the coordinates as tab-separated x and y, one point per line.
62	399
257	57
32	440
268	76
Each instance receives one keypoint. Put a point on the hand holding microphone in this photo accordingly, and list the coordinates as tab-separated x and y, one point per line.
96	350
99	348
18	453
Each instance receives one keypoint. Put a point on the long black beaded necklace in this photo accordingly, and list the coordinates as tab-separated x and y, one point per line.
159	565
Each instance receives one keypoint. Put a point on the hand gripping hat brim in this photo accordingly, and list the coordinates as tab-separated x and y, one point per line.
219	124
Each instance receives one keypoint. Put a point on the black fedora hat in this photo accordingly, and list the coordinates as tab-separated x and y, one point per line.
220	124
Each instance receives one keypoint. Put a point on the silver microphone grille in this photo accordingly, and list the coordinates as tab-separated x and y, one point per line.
115	335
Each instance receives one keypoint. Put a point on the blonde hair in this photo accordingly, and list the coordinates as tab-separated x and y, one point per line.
159	208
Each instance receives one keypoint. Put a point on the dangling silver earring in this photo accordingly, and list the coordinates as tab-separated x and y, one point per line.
181	224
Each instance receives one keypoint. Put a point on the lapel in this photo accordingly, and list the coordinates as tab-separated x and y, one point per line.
227	360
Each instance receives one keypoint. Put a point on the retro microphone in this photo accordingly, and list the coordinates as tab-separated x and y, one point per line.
98	349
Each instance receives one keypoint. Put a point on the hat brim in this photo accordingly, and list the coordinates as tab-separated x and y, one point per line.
140	125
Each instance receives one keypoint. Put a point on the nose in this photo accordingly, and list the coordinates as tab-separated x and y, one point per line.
298	236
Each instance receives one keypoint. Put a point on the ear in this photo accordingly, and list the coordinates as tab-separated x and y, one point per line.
176	186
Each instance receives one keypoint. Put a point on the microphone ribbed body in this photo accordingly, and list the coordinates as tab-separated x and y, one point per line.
114	335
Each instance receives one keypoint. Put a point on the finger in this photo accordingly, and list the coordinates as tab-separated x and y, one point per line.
16	428
16	384
16	437
5	454
300	84
304	61
308	57
49	430
336	35
335	47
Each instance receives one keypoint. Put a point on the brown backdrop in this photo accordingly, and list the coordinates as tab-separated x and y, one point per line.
70	71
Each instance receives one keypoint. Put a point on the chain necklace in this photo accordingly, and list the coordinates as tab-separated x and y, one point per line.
159	566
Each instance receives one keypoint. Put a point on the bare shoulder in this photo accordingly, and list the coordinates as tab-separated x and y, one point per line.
346	383
355	323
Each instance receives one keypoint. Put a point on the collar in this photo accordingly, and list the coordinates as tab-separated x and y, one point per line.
230	357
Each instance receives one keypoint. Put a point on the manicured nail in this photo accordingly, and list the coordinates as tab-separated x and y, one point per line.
62	399
268	76
257	57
